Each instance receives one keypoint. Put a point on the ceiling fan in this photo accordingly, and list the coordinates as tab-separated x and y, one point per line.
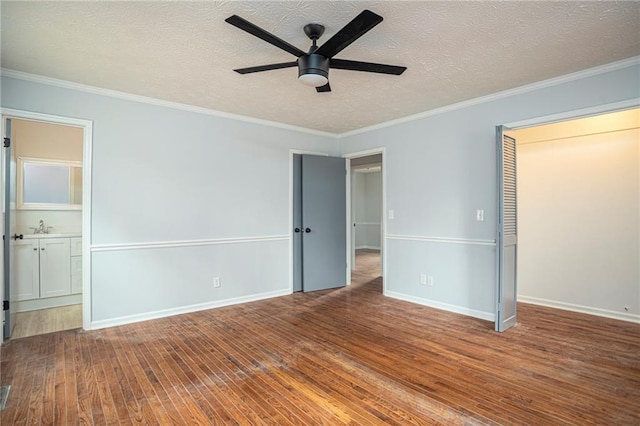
313	66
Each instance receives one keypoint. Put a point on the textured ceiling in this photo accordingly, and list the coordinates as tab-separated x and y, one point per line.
184	52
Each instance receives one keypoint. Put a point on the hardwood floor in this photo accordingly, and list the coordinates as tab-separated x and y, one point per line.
330	357
367	266
44	321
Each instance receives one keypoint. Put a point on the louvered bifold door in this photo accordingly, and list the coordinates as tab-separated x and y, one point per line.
507	237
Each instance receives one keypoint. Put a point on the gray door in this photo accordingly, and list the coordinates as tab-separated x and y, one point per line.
324	236
9	228
507	236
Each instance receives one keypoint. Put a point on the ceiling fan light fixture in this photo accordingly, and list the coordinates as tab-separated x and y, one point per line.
315	80
313	70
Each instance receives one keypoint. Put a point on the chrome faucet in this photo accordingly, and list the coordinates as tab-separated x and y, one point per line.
41	229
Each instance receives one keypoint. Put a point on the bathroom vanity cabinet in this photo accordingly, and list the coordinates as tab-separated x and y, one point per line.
47	267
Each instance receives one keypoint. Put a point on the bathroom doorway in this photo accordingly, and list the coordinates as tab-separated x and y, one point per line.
44	265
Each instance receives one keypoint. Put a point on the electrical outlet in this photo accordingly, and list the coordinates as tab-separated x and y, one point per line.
216	282
429	281
391	214
423	279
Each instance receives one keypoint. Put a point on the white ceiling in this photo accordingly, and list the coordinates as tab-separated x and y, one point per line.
184	52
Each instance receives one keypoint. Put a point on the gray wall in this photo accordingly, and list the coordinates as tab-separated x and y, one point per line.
441	168
163	175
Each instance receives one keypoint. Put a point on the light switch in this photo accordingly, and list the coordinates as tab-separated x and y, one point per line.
390	214
480	215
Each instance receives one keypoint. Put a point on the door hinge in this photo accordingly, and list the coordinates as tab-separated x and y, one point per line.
7	142
5	305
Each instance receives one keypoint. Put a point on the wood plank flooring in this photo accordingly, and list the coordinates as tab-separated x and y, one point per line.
44	321
330	357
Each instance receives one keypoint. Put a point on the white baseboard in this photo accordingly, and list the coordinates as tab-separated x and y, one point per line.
95	325
487	316
368	247
49	302
579	308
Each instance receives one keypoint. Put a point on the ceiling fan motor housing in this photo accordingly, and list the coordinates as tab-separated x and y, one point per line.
313	64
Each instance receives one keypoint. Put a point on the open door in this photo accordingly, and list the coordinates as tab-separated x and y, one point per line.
507	236
9	228
324	239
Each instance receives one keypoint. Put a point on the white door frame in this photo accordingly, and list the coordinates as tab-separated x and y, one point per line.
556	118
383	218
575	114
87	127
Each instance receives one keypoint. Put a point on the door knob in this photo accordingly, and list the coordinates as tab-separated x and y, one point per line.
307	230
18	237
296	230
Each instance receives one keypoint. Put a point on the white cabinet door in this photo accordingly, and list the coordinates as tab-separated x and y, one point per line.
26	286
55	268
76	265
76	274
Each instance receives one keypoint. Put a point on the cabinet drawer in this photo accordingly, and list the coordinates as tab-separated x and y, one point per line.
76	246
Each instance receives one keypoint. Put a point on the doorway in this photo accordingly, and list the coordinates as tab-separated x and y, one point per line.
47	215
578	197
366	212
366	263
577	215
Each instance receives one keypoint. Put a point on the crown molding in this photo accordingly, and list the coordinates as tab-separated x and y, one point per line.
34	78
590	72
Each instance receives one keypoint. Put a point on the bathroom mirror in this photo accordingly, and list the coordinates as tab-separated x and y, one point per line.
48	184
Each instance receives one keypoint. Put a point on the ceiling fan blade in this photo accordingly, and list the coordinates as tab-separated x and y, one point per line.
349	33
322	89
255	30
343	64
269	67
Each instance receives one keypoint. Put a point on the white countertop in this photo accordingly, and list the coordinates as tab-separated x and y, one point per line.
52	235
